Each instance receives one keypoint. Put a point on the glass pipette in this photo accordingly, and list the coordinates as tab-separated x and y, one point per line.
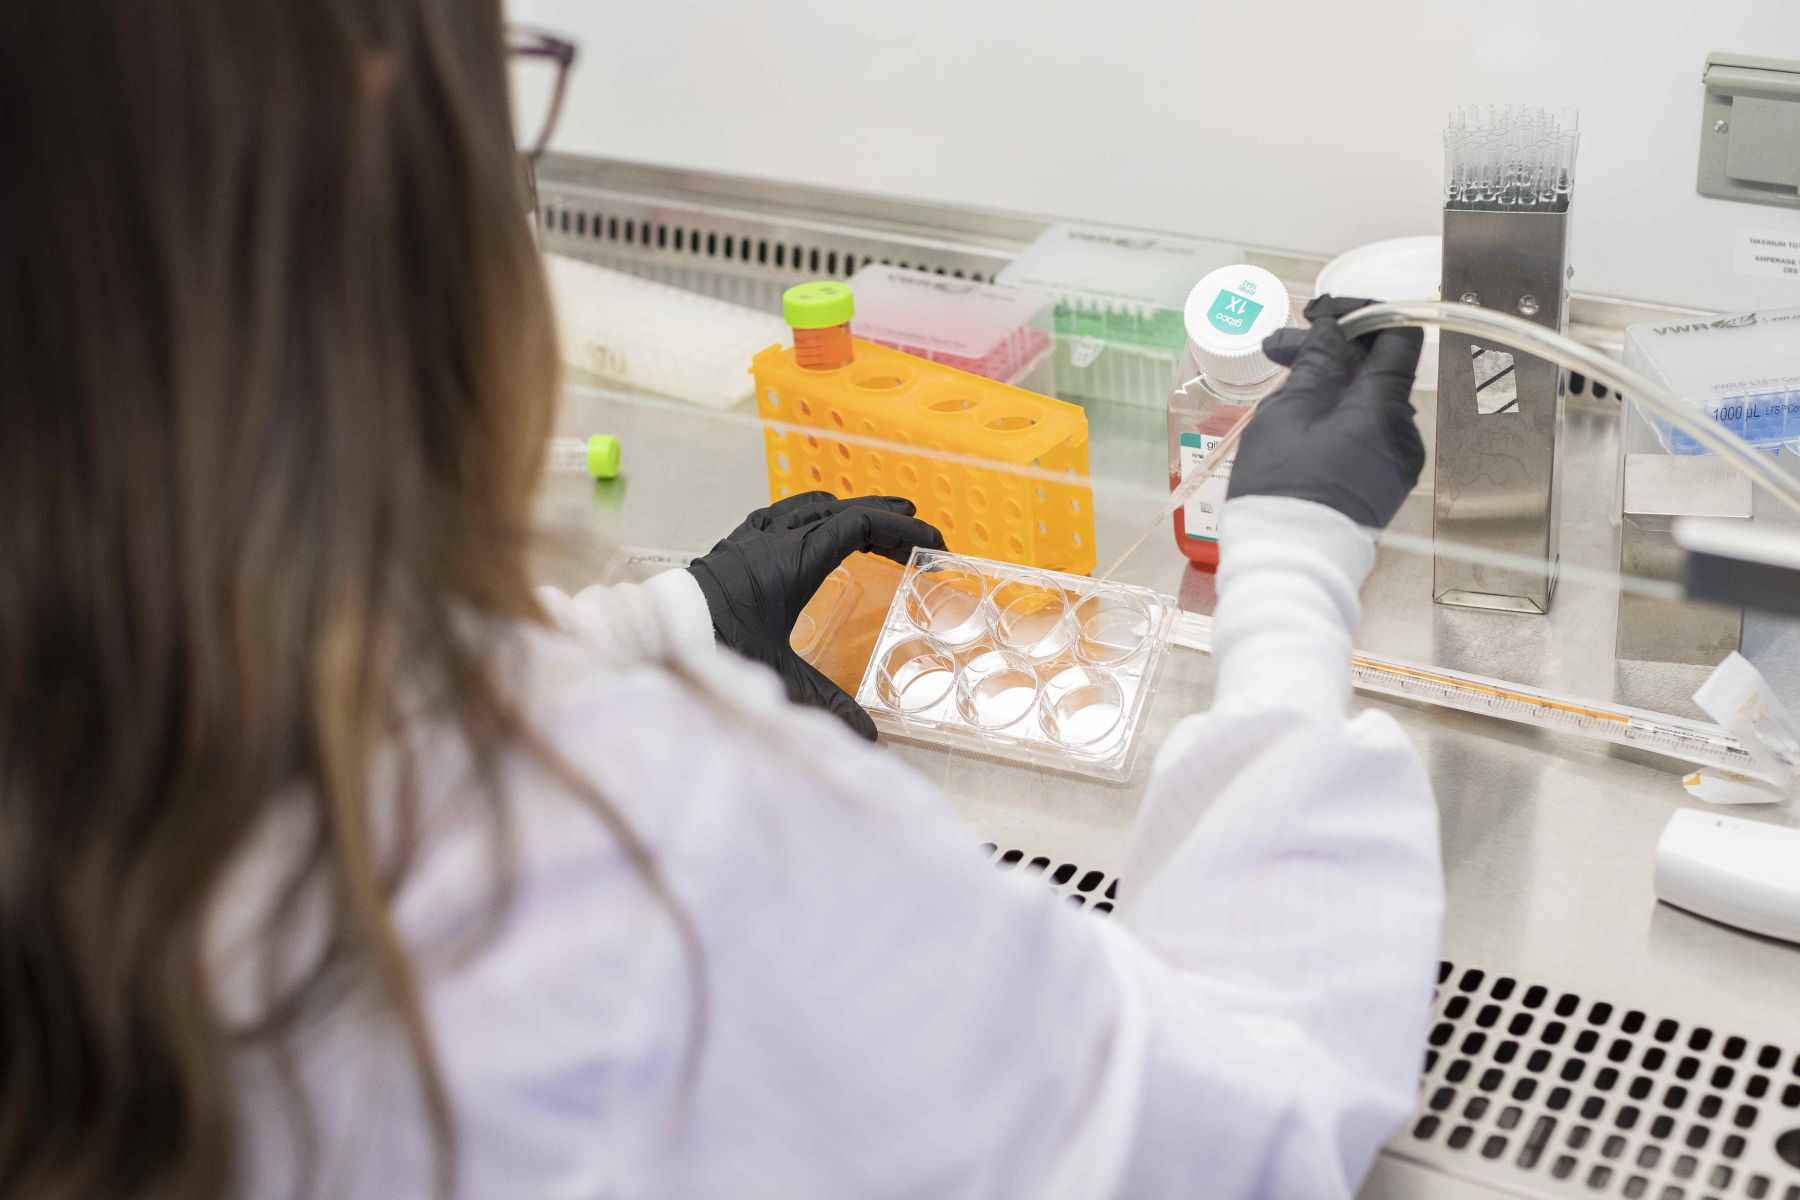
1690	741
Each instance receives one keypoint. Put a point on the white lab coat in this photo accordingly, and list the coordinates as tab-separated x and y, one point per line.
881	1012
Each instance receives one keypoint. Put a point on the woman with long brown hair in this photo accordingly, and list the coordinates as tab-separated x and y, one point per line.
336	860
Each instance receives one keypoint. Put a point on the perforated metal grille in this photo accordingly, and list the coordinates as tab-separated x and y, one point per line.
1549	1093
1590	1098
1082	888
1581	385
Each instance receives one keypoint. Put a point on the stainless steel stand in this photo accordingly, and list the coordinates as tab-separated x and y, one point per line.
1499	422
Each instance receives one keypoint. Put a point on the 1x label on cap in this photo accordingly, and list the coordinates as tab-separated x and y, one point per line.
1233	313
1227	316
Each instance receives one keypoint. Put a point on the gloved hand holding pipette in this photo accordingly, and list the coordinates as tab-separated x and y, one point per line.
758	579
1340	432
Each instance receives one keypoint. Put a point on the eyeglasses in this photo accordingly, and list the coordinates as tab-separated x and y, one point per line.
538	65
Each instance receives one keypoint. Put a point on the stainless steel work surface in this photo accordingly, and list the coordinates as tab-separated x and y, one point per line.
1547	839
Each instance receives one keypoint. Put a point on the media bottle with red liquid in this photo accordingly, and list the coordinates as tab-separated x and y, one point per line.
1221	373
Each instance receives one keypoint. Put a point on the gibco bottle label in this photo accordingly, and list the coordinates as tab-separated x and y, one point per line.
1200	516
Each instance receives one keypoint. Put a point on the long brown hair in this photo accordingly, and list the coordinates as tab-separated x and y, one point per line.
275	372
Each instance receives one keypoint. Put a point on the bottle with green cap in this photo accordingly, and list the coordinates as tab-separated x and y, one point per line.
819	314
596	456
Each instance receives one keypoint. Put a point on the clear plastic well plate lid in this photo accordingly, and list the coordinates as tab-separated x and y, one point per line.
1015	662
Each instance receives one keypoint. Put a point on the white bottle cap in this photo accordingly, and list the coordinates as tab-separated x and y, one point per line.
1228	314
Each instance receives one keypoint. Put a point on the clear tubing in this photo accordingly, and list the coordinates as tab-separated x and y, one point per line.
1508	330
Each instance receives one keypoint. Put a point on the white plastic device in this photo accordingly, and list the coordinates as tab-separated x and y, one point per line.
1732	870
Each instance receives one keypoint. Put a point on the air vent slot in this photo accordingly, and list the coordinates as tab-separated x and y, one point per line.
571	228
743	251
1081	887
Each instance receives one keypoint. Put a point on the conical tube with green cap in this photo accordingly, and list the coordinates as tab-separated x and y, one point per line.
597	456
819	314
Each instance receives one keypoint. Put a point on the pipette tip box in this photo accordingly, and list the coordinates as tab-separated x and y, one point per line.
986	329
1741	372
1033	666
1118	306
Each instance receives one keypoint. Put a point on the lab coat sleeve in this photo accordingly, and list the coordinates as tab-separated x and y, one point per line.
662	618
1284	886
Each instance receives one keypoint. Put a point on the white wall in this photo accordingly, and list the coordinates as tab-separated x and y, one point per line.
1308	125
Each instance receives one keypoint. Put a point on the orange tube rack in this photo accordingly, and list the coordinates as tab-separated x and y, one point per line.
1001	471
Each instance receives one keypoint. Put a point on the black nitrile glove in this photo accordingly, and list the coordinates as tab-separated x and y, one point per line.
1340	431
758	579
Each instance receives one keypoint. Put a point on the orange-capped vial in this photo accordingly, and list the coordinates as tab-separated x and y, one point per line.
819	314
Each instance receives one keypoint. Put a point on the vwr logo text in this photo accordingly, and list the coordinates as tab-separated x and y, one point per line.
1738	322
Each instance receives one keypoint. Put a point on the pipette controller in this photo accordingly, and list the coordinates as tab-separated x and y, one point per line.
1740	872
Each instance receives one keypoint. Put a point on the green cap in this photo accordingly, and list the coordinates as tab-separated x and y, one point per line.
603	456
818	305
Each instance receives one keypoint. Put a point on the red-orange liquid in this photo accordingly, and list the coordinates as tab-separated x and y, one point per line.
1202	552
823	349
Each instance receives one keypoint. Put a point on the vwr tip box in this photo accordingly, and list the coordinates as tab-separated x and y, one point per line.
996	332
1119	298
1000	471
1741	372
1033	666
